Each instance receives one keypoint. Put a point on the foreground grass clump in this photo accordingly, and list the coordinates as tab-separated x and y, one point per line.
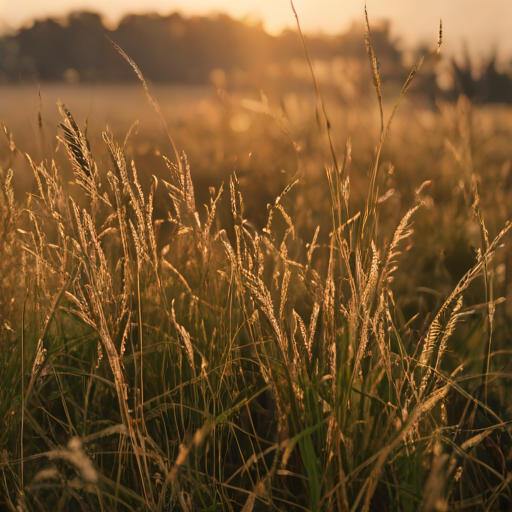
169	364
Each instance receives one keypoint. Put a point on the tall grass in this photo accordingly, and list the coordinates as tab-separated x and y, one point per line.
234	369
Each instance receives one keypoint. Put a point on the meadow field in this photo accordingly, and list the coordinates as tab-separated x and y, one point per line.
237	305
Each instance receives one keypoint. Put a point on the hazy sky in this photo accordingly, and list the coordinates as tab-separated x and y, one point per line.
482	24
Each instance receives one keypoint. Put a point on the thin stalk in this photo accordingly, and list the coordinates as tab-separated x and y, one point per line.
139	311
317	90
22	428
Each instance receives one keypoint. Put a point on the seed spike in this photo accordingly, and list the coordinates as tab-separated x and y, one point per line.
440	40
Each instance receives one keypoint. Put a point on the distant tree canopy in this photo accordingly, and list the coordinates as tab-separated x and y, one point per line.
170	48
175	49
487	85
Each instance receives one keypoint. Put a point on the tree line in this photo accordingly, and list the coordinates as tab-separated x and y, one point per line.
177	49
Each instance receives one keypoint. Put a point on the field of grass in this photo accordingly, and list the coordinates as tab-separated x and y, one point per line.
262	323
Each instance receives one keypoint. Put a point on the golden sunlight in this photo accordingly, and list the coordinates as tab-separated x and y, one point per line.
481	26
